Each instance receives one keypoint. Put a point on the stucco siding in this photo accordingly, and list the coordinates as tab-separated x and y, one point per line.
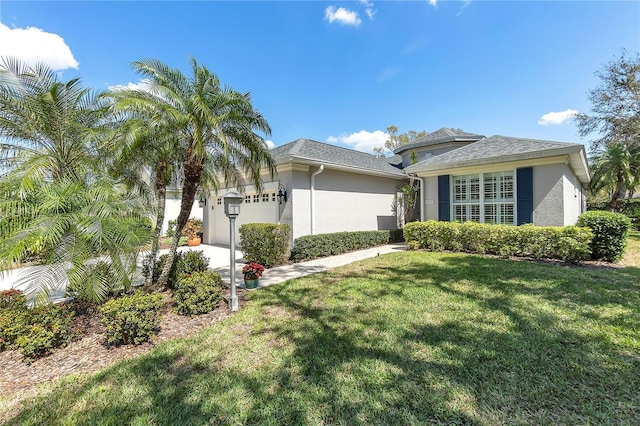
573	197
343	202
548	195
431	198
172	209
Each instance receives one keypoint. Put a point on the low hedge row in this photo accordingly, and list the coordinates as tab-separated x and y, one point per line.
186	262
197	293
321	245
266	243
569	243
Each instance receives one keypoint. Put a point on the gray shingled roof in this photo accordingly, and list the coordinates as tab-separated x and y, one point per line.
442	135
319	152
498	148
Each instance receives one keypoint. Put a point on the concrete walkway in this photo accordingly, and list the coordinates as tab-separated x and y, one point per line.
287	272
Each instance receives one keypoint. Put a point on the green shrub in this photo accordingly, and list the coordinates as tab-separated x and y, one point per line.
197	293
131	319
628	207
568	243
610	232
171	228
185	263
50	328
266	243
34	332
321	245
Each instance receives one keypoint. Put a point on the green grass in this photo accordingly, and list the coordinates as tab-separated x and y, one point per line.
408	338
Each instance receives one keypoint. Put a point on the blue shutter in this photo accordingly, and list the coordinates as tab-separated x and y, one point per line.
444	212
524	203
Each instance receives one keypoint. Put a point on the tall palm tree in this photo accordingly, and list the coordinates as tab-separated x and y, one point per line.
56	201
218	130
615	168
148	156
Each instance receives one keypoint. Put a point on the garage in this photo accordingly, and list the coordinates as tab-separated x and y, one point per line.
256	208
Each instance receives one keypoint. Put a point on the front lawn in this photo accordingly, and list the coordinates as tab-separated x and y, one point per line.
407	338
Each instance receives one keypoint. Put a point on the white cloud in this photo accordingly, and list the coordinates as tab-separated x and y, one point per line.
270	144
342	16
368	8
556	117
433	3
143	85
32	45
362	141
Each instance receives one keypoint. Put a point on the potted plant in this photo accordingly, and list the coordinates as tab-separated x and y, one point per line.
252	272
192	230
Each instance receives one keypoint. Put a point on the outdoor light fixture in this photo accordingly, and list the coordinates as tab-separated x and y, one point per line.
202	202
282	195
232	202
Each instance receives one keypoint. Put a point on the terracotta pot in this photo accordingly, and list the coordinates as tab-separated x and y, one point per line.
194	241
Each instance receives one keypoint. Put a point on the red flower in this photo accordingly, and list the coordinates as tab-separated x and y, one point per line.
252	270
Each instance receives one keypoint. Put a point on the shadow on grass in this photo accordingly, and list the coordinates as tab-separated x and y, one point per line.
406	339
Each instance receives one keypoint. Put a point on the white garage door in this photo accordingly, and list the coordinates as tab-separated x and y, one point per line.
255	209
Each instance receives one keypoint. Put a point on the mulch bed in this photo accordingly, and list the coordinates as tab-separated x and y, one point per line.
88	353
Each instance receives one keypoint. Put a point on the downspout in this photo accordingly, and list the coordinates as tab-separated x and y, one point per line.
311	195
421	183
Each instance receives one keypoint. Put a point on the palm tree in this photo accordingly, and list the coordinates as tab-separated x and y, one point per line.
56	201
615	168
217	130
148	157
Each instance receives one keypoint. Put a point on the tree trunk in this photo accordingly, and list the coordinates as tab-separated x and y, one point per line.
161	192
192	174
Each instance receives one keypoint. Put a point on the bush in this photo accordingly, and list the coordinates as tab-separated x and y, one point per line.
50	328
321	245
131	319
35	333
266	243
628	207
185	263
171	228
568	243
610	231
197	293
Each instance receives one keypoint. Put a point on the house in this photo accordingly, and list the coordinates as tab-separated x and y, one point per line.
459	175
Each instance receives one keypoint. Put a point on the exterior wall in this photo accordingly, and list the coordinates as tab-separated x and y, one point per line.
548	195
343	202
431	198
573	198
172	209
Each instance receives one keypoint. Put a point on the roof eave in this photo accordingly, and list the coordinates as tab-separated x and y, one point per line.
336	166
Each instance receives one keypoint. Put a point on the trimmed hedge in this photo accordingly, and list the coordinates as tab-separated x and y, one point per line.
266	243
321	245
610	232
197	293
131	319
628	207
568	243
34	332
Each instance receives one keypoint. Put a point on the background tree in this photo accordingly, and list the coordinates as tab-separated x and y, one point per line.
615	104
614	168
396	140
57	205
218	130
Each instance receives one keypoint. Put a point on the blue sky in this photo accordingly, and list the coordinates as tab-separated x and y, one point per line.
343	71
